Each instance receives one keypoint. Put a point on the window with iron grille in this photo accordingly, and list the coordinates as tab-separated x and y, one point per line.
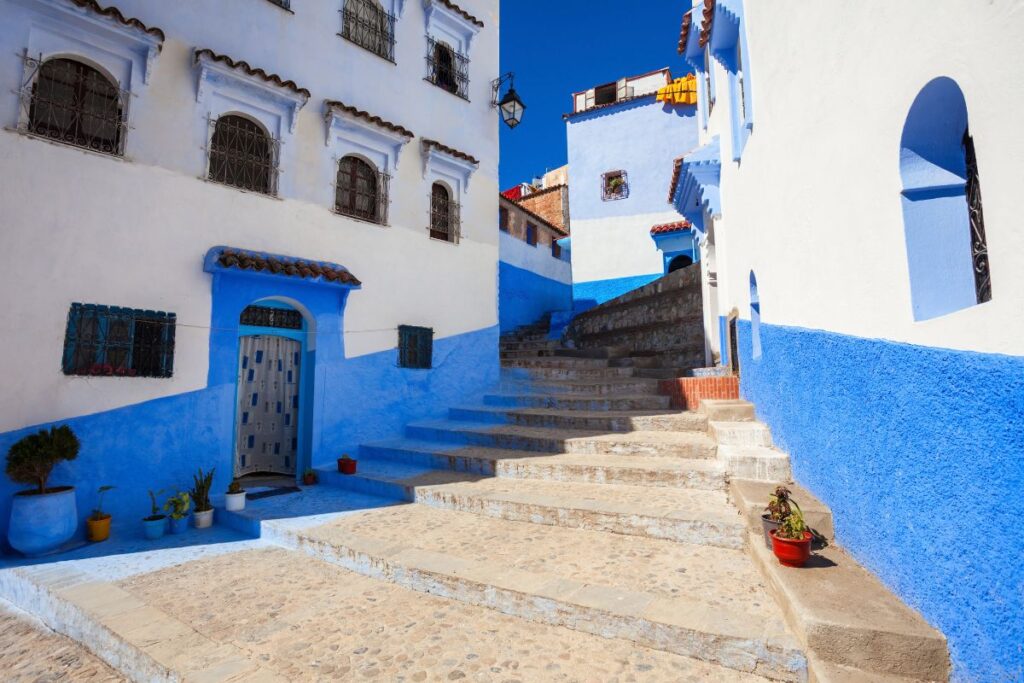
283	4
415	347
361	191
444	214
120	342
503	218
365	23
70	102
556	248
243	155
614	185
531	234
447	69
269	316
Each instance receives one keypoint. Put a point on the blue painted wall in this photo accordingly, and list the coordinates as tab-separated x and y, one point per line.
524	296
919	452
586	295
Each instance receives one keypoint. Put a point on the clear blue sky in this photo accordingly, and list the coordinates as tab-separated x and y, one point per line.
557	47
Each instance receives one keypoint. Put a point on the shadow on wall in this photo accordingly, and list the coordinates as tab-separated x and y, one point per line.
918	452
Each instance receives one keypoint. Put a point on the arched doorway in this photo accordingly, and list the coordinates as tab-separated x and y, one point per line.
269	437
679	262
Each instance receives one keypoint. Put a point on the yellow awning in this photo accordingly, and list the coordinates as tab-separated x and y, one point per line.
680	91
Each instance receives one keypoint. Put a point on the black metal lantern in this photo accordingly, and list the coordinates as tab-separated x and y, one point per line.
510	106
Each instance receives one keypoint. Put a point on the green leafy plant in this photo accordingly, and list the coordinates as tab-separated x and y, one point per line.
793	526
97	512
235	487
178	505
154	513
344	456
201	485
31	459
780	504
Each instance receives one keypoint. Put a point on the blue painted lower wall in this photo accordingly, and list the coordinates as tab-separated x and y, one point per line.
159	444
524	296
920	453
586	295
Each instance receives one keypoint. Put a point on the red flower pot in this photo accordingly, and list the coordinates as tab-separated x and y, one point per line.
792	553
308	479
346	466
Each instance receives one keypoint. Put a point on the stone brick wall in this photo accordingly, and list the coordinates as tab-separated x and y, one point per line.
663	319
551	204
518	217
688	392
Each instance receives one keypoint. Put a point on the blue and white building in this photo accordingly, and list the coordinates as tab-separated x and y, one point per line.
856	196
623	139
242	234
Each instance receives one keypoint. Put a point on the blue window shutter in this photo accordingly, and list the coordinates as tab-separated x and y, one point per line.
71	338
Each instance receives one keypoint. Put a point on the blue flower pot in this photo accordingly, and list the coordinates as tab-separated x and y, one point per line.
179	526
41	523
154	528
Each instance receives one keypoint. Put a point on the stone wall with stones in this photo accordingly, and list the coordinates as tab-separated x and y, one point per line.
662	319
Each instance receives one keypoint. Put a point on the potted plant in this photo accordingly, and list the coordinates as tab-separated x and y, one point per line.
98	523
178	506
42	518
154	525
235	498
780	505
310	477
201	484
346	465
791	542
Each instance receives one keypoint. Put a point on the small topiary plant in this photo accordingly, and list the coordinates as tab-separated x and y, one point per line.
32	458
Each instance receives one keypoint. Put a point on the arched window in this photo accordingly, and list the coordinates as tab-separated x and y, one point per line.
943	222
755	318
361	191
367	25
679	262
243	155
76	104
444	214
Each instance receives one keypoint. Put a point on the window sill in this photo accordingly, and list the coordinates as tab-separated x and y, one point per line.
241	189
438	239
289	10
357	219
443	89
366	49
67	145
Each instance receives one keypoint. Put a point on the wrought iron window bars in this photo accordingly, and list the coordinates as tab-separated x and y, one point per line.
614	185
283	4
121	342
361	191
415	347
243	155
268	316
69	102
445	220
447	69
979	245
365	23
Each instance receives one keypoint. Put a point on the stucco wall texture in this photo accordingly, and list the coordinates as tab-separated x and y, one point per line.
919	452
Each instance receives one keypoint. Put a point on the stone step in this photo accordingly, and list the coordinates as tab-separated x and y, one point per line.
594	420
744	434
624	386
529	354
755	462
593	469
698	601
751	497
519	345
727	410
579	401
674	444
567	373
556	362
840	611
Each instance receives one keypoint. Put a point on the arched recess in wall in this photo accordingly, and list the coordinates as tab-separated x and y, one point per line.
755	318
679	262
947	254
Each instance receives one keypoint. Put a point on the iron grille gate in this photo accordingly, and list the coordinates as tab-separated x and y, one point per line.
72	103
366	24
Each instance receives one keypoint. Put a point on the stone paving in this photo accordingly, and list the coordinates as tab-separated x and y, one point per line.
309	621
31	652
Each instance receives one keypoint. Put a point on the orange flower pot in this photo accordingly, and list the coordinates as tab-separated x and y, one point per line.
98	529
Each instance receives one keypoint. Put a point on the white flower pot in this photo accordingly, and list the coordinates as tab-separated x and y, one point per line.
234	501
203	519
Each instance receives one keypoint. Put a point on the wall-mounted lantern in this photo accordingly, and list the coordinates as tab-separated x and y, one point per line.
510	106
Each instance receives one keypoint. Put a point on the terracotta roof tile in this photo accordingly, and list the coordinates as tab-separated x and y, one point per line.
250	70
115	13
705	27
450	150
359	113
285	266
684	31
666	228
675	179
461	12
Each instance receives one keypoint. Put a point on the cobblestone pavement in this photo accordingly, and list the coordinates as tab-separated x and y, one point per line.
717	576
311	621
30	653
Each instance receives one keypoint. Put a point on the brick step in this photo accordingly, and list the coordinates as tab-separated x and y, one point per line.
513	437
592	469
688	609
598	420
579	401
608	387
